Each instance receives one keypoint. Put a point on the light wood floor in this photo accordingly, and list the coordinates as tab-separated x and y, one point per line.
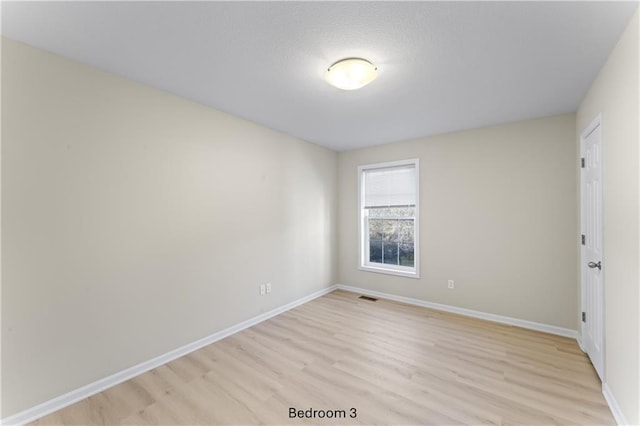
393	363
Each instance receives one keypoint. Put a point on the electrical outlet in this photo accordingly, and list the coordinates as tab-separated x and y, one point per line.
450	283
268	287
262	289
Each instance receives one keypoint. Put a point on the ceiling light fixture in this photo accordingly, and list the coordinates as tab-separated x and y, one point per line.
351	73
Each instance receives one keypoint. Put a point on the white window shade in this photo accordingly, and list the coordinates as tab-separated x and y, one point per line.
390	187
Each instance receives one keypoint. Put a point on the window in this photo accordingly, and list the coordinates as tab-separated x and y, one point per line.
389	218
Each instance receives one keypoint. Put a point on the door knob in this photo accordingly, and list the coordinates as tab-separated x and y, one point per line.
594	265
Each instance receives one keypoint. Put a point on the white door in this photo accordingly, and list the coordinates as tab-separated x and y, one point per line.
592	253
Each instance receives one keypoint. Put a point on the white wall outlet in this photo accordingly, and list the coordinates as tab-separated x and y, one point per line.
268	285
450	283
262	289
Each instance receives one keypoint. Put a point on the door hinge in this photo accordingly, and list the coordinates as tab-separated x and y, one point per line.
584	317
583	239
582	162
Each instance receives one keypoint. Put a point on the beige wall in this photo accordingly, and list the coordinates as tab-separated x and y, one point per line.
497	215
135	222
616	94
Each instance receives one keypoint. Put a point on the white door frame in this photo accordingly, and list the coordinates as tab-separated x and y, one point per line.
597	121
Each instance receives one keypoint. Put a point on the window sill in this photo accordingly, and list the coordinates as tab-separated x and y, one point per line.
388	271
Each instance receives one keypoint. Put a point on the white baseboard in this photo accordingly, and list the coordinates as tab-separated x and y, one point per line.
579	340
552	329
86	391
76	395
613	406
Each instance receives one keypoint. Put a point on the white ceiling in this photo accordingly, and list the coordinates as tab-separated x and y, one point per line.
442	66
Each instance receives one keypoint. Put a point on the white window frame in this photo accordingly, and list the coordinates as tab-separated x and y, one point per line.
363	247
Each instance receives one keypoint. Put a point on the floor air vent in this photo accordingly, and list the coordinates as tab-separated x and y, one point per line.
370	299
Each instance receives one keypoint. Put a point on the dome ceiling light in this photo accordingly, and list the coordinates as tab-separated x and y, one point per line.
351	73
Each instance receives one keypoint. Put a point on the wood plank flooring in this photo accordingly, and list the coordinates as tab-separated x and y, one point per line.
390	362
